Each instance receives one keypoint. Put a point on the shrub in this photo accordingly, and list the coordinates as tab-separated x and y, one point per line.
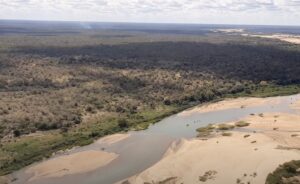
89	109
245	136
77	119
205	131
227	134
167	102
284	172
17	133
242	124
225	127
94	134
42	126
123	123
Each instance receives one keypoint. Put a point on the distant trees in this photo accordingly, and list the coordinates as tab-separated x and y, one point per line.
45	87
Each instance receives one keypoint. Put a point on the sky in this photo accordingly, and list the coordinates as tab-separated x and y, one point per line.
258	12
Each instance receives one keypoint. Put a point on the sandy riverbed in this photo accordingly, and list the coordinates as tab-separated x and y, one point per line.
229	104
217	159
283	37
296	105
76	163
70	164
111	139
245	156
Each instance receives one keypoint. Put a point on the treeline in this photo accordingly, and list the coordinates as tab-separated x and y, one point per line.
233	60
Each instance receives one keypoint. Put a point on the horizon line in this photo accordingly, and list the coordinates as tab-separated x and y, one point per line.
136	22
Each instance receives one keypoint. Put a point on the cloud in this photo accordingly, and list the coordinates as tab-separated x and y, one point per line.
153	10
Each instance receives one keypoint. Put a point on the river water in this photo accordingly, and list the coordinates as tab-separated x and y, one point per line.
144	148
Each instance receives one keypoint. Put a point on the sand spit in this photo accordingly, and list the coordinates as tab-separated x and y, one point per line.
111	139
70	164
245	156
283	37
229	30
229	104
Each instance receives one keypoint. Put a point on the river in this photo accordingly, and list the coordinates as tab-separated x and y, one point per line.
144	148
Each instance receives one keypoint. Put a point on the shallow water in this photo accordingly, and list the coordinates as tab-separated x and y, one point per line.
144	148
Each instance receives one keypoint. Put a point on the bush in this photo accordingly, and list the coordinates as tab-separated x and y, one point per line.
123	123
94	134
89	109
43	126
205	131
284	172
77	120
225	127
242	124
167	102
227	134
17	133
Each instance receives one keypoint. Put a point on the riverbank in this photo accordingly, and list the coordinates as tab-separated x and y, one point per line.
80	137
111	139
248	154
230	104
68	163
295	39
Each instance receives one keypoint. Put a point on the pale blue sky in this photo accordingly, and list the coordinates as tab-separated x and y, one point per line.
276	12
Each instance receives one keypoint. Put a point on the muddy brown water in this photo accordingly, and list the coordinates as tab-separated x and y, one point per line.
144	148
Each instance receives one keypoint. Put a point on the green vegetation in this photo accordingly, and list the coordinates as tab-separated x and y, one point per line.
287	173
18	153
225	127
209	175
269	91
226	134
30	149
241	124
165	181
205	131
246	136
66	89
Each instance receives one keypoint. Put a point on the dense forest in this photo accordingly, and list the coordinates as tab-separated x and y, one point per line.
63	89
